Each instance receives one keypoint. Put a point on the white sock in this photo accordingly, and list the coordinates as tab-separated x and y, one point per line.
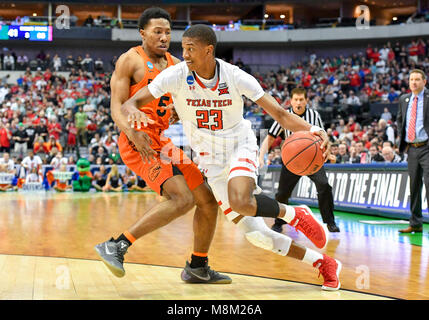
290	213
311	256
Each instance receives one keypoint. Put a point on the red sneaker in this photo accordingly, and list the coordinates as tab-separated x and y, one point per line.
330	269
314	230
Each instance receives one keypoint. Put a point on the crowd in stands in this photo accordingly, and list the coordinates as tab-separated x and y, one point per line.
18	173
48	113
380	74
344	87
10	60
59	119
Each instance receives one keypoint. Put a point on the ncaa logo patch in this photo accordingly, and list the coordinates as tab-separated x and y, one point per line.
190	80
149	65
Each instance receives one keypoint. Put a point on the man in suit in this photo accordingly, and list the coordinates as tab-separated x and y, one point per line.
413	129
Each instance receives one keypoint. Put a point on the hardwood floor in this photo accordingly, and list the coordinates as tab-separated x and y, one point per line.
44	236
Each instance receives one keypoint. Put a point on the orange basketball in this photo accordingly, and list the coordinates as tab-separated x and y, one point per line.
301	153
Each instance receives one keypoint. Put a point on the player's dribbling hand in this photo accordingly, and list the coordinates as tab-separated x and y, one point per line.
326	144
136	118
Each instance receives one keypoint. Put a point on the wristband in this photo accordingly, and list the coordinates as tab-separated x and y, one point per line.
315	129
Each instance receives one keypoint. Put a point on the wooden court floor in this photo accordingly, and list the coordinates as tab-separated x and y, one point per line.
47	240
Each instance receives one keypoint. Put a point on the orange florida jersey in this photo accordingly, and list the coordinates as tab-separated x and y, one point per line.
154	110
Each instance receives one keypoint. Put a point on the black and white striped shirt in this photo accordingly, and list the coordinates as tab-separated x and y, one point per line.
310	115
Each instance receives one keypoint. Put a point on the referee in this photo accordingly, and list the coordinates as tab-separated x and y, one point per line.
288	180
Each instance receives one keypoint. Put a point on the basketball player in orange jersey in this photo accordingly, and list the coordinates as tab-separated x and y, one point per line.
179	180
207	96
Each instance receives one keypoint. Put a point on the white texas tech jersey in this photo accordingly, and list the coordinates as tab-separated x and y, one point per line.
211	114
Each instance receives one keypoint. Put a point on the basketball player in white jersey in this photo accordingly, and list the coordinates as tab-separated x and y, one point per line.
207	96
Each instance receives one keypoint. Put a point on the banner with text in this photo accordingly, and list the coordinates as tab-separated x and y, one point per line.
371	189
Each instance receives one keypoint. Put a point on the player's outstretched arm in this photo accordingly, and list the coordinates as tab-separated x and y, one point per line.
265	146
135	117
120	86
292	122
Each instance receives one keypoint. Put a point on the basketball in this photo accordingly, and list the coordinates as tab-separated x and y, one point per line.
301	153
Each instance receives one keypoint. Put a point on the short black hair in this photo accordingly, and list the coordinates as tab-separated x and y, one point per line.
153	13
203	33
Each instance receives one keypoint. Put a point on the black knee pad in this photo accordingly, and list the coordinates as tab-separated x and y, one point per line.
266	207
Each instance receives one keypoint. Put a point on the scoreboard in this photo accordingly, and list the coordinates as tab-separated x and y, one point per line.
24	32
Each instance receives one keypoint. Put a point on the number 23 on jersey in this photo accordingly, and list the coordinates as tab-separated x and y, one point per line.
204	117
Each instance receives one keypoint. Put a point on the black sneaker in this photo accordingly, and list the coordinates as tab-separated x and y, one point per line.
203	275
332	227
112	254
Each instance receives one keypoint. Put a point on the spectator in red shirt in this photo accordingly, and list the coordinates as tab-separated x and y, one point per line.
413	51
5	136
421	52
351	124
377	92
355	81
71	137
369	52
375	56
47	75
391	55
8	113
306	80
54	128
367	89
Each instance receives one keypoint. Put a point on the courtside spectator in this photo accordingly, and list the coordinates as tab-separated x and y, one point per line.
5	186
343	155
100	178
390	156
31	161
374	154
113	181
10	164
